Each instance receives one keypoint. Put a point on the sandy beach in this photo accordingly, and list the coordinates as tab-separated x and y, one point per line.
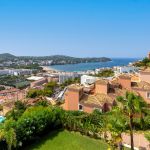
49	69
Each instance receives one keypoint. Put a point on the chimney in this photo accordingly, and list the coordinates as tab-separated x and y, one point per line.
101	86
72	97
125	81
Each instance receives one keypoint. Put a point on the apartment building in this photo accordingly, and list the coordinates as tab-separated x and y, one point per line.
15	72
11	95
67	75
126	69
87	80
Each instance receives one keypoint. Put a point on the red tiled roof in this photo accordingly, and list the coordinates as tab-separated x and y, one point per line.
102	81
96	100
9	91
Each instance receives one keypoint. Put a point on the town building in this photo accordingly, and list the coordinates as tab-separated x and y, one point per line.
126	69
4	72
145	75
88	99
39	82
9	96
18	72
34	78
15	72
63	76
51	77
87	80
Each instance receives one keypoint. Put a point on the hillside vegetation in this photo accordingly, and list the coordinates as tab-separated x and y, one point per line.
144	63
55	59
7	56
105	73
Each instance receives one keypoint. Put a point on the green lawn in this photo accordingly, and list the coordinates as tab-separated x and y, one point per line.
65	140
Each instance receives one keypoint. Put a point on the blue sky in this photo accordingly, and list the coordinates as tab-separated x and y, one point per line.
81	28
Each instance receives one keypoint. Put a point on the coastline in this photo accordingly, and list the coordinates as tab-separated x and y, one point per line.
84	67
48	68
92	66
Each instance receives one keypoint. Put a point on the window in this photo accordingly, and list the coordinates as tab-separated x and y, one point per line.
80	107
148	95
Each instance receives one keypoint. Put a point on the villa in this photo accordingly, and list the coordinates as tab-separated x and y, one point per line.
102	93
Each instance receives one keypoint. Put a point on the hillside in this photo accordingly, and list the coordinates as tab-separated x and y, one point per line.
7	56
55	59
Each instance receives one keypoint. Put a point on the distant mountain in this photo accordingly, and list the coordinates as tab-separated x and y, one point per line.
55	59
61	59
7	56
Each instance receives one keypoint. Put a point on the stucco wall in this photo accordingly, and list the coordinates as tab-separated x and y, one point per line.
139	140
143	94
101	88
71	100
145	76
38	83
125	83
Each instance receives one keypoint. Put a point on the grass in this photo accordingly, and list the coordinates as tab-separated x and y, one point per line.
65	140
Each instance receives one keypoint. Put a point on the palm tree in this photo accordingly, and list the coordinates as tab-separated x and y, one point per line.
7	132
116	126
10	137
132	105
147	136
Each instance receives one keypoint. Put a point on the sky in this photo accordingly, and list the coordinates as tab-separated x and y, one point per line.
79	28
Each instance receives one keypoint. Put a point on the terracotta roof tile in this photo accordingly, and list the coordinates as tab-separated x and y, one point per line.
75	87
96	100
142	85
102	81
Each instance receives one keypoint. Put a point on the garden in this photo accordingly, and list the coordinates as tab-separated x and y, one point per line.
24	125
65	140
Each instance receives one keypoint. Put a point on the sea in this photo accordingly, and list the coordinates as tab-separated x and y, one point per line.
94	65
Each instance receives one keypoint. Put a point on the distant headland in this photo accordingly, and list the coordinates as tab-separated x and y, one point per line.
53	59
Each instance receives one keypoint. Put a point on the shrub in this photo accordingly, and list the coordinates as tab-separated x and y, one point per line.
105	73
2	88
47	91
8	135
17	111
36	121
32	93
147	136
